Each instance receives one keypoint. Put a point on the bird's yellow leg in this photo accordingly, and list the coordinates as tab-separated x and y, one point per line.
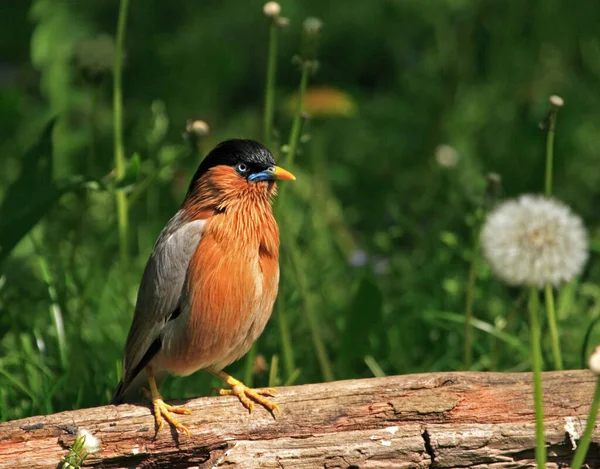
161	408
245	394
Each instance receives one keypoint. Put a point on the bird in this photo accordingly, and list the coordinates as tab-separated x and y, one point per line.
211	281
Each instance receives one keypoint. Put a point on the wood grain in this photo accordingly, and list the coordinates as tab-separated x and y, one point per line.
441	420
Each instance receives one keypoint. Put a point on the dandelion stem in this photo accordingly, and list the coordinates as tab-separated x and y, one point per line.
550	148
270	86
584	443
552	324
309	311
536	361
119	150
284	330
297	123
468	351
286	341
549	295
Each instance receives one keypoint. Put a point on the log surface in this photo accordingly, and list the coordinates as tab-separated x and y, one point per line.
440	420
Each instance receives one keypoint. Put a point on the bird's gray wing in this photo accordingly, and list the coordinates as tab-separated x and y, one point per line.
159	295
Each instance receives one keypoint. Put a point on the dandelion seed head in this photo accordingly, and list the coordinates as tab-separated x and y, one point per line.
534	240
91	444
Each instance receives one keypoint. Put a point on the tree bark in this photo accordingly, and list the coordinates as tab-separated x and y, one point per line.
441	420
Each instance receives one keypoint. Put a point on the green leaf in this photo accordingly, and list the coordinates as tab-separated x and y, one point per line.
362	318
511	340
133	169
30	197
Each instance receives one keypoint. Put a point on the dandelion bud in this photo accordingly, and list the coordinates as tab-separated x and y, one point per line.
446	156
556	101
272	9
493	188
283	22
594	361
95	57
260	365
312	25
310	38
197	128
534	240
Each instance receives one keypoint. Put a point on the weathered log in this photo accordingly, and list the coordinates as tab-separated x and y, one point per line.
442	420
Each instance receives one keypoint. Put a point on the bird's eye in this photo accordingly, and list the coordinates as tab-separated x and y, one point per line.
241	168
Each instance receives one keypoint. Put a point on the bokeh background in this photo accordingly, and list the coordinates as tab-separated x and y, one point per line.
414	103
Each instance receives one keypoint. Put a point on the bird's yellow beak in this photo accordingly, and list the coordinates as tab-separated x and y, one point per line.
271	173
283	174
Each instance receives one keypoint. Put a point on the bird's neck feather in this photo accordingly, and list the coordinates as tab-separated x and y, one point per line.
236	210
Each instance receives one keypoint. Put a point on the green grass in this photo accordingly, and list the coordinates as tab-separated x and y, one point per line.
369	182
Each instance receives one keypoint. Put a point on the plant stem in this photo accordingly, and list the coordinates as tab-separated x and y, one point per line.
536	361
584	443
550	150
270	86
552	324
297	123
289	363
468	351
118	133
91	163
249	365
56	311
284	329
549	295
315	329
273	372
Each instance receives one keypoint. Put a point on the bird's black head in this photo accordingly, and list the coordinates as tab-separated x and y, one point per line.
250	159
247	155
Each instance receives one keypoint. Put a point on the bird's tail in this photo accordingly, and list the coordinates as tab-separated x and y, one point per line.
129	391
119	394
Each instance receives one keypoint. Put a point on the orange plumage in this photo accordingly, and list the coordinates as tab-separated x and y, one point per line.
210	284
241	242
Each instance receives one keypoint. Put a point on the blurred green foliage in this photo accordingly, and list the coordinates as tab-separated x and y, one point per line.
377	235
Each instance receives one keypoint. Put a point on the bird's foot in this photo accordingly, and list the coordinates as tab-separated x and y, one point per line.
164	411
248	396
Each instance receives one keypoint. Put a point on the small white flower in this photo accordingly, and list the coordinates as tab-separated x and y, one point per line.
446	156
358	258
381	265
594	361
198	128
272	9
534	240
312	25
91	444
556	101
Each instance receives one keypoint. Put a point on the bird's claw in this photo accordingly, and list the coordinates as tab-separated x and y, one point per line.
249	396
163	411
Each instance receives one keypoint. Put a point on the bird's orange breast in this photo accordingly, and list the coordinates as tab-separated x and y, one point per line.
231	287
